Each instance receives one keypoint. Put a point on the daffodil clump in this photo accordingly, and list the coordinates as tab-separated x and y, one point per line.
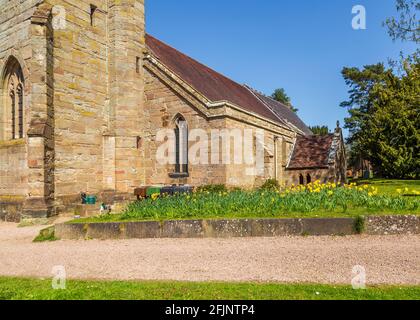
313	200
408	191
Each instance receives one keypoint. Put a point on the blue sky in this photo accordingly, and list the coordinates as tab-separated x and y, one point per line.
299	45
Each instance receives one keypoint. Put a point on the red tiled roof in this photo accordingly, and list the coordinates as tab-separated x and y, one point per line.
213	85
311	152
284	112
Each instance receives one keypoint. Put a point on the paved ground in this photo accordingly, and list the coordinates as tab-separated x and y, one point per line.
388	260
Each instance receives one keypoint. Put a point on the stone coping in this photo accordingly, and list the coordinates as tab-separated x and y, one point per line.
4	144
375	225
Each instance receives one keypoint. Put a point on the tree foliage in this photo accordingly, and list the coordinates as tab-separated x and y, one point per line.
280	95
320	130
407	26
384	104
384	119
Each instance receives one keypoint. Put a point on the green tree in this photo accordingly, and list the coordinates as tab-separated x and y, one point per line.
384	119
280	95
407	26
384	104
320	130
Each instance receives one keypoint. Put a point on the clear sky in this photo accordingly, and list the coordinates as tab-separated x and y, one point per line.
300	45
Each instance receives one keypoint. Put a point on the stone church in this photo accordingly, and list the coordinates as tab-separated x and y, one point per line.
84	92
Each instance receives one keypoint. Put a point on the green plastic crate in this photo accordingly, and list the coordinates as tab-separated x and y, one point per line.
91	200
153	190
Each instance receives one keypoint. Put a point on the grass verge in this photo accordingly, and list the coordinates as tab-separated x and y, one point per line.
32	289
46	235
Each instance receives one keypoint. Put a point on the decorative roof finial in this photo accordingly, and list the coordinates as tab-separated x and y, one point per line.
338	129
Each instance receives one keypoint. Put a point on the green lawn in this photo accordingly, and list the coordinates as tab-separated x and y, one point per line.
31	289
390	187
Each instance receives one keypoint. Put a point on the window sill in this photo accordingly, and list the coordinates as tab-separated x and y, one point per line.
179	175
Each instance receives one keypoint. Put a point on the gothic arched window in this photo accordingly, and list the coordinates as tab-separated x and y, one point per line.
301	180
12	106
181	145
13	109
308	179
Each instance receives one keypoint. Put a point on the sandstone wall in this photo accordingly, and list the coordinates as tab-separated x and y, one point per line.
13	169
162	105
277	149
82	63
92	111
80	93
323	175
15	28
98	94
16	42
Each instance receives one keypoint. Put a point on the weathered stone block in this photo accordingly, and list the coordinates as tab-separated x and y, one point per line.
143	230
276	227
227	228
392	225
183	229
71	231
103	231
319	227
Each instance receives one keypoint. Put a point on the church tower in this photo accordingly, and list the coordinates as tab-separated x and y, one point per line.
126	33
72	79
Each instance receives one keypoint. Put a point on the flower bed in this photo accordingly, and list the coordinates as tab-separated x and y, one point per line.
313	200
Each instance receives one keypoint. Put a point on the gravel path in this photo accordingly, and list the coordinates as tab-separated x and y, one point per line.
388	260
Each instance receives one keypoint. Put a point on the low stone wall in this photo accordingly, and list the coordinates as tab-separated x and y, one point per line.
206	229
392	225
381	225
